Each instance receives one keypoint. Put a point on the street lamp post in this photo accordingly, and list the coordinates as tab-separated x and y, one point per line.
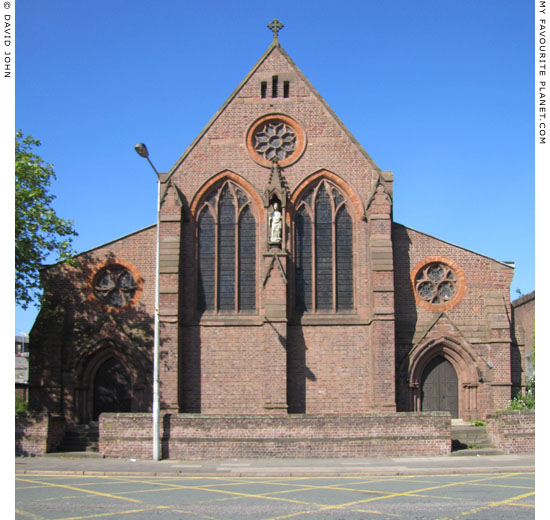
142	151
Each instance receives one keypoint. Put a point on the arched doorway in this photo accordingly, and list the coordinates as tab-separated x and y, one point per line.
112	377
439	387
111	388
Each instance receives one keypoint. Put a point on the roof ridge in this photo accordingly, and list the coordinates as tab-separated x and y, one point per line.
507	264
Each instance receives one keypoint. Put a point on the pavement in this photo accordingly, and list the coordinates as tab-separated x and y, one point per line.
87	463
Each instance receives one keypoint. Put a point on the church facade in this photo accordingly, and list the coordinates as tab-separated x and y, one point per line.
285	285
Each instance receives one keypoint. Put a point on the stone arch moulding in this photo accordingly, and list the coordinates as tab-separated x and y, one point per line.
465	362
104	265
276	121
220	178
238	298
332	177
459	281
354	210
87	367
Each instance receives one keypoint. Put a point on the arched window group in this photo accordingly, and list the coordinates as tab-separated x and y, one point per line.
322	250
227	251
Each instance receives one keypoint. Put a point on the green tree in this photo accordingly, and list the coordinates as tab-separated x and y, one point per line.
38	230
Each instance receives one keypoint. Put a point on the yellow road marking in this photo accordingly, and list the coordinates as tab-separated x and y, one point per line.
28	515
206	517
353	490
97	515
512	499
508	501
393	495
73	488
103	515
196	488
504	486
373	512
297	514
298	487
20	488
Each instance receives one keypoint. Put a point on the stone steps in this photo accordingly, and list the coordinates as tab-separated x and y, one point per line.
476	452
472	439
80	437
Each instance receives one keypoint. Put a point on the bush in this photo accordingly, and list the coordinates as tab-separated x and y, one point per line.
478	423
20	405
524	401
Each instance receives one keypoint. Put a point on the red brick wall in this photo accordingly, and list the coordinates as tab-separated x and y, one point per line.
352	362
189	436
484	276
512	430
235	370
479	322
72	327
343	367
223	145
37	434
329	369
126	435
335	364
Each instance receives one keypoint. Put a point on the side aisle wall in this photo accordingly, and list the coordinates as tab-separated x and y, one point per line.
471	330
96	326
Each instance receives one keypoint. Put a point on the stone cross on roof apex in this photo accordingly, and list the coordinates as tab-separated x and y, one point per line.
275	26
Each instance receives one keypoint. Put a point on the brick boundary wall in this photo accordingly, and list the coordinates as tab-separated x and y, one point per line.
197	437
36	434
512	431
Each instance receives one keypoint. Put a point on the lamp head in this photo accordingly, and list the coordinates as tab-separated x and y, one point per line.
141	150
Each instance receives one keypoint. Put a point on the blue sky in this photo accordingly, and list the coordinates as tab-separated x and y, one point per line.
439	92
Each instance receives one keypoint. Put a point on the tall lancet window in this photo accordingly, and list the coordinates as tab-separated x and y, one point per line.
323	251
226	252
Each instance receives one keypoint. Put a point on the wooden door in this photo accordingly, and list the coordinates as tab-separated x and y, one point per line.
440	387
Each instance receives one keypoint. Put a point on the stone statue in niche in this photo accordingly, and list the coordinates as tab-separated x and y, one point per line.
276	225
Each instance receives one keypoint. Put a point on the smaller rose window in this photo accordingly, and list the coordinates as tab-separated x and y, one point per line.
115	286
274	139
436	283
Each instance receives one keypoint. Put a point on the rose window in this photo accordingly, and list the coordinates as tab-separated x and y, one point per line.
115	286
436	283
274	140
